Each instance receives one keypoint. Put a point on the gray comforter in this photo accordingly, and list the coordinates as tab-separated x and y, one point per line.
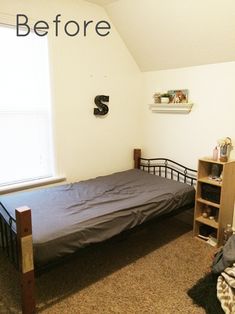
68	217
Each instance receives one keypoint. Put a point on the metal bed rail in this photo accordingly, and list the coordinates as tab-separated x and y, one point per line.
8	237
168	168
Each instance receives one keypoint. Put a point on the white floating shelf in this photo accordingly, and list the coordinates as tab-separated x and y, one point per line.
171	108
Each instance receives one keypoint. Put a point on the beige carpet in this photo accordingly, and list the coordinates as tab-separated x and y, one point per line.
146	271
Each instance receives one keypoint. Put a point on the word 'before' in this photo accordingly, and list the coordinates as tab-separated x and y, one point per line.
71	28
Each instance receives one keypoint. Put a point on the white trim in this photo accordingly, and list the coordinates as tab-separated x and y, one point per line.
30	184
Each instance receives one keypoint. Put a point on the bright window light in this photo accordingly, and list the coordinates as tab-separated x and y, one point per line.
25	108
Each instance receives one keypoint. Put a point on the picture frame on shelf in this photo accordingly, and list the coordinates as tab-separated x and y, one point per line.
179	96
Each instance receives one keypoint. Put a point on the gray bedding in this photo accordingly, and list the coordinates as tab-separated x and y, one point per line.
68	217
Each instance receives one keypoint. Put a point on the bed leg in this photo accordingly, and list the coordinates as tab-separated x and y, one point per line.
137	156
26	266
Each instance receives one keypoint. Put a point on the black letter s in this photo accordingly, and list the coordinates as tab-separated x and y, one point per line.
102	108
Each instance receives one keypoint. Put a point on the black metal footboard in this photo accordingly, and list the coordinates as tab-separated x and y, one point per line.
16	241
8	238
168	168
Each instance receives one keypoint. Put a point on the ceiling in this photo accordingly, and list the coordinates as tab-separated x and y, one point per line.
101	2
166	34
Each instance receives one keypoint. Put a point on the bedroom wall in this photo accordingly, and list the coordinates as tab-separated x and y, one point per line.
187	137
81	68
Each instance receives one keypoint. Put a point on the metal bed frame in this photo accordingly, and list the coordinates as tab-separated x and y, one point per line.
16	233
8	236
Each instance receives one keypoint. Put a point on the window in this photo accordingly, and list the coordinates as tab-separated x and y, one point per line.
25	108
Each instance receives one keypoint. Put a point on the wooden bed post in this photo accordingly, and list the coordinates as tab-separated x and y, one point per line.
26	266
137	156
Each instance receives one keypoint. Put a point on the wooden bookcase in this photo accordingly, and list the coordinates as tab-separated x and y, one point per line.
216	196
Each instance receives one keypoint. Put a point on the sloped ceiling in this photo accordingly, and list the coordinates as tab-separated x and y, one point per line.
101	2
166	34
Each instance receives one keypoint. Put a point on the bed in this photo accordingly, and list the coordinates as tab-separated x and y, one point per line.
59	221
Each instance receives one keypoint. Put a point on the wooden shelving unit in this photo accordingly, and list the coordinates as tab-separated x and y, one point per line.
214	196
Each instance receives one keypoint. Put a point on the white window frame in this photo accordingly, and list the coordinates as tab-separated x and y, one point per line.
8	20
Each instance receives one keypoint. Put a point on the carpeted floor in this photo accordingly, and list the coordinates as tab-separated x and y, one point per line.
148	270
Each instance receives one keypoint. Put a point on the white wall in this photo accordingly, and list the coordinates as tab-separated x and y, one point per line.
82	68
185	138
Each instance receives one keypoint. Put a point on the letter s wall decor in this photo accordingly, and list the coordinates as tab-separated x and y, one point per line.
102	108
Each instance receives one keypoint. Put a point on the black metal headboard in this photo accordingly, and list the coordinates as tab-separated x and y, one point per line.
168	168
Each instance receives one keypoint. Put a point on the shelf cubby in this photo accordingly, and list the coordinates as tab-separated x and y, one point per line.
216	196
